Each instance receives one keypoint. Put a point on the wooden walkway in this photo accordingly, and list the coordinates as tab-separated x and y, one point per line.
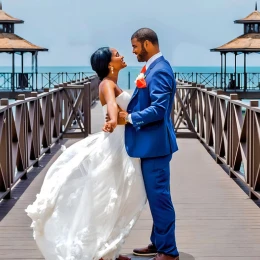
215	218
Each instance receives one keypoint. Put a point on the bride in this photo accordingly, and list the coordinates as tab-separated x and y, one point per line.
93	194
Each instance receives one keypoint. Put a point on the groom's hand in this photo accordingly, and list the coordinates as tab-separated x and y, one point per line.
120	119
122	115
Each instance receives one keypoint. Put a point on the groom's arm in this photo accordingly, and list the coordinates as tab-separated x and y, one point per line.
161	89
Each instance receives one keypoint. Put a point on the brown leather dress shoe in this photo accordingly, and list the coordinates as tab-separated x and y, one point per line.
166	257
123	257
120	257
150	250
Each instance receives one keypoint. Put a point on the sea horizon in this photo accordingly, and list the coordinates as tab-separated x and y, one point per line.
133	69
127	76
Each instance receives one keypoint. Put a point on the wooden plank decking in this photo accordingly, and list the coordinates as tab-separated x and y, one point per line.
215	218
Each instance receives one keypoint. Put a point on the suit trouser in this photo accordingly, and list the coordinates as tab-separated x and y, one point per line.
156	173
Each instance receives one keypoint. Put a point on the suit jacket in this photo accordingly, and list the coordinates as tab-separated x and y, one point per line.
152	133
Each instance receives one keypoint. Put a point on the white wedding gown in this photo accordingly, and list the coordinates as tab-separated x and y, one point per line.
90	199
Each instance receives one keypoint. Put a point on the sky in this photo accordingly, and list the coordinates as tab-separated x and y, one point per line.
73	29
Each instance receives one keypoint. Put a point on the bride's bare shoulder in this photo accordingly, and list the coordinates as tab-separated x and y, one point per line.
107	84
107	89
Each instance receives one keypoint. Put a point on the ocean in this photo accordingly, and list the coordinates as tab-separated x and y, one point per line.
133	70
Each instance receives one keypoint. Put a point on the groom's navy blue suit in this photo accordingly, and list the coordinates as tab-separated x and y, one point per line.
151	137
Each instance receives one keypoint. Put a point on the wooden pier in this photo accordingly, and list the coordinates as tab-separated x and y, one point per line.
216	218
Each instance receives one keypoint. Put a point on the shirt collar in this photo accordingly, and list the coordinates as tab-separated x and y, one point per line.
152	59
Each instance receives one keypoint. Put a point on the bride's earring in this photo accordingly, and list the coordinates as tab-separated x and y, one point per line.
112	70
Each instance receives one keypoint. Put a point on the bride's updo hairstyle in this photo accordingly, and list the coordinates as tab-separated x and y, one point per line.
100	60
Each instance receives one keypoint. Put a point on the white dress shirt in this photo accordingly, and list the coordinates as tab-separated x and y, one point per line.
148	63
152	59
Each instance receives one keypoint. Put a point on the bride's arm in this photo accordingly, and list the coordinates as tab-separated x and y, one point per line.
108	92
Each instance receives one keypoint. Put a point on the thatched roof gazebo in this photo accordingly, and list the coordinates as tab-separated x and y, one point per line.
13	44
245	44
6	18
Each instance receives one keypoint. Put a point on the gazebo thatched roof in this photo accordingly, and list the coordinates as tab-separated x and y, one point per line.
6	18
10	42
245	43
254	17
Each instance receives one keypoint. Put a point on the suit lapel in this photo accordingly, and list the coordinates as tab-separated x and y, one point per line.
135	93
146	73
153	64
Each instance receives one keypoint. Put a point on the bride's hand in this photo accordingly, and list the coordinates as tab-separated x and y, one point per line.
109	126
120	120
107	118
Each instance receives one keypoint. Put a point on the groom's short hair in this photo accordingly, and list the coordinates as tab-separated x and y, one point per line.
144	34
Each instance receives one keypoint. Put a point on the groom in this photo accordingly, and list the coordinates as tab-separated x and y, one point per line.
149	135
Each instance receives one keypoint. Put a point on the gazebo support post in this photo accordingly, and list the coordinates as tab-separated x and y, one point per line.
245	76
13	72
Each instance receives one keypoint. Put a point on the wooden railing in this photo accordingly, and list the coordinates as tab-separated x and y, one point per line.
38	81
229	81
30	126
229	128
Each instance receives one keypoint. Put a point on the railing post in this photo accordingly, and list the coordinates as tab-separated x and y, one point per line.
193	104
245	81
87	109
7	153
209	120
218	130
231	135
23	136
49	80
65	104
47	121
207	112
253	156
36	131
21	97
202	125
58	111
41	77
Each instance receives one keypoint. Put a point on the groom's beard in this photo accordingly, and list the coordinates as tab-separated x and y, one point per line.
143	55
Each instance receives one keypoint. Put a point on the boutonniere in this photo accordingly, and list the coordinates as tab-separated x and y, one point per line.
140	80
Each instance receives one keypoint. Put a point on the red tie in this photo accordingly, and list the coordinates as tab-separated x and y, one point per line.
143	69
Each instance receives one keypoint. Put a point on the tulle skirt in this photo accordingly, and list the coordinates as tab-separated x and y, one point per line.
90	199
